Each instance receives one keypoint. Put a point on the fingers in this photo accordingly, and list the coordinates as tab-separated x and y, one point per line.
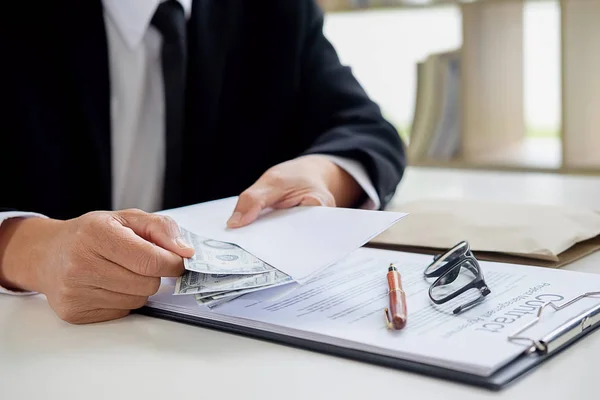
122	245
112	277
86	304
105	299
158	229
303	181
324	199
99	315
252	202
311	199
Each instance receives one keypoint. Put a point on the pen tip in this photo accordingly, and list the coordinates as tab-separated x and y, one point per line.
392	267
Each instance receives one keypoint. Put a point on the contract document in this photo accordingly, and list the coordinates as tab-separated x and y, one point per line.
343	305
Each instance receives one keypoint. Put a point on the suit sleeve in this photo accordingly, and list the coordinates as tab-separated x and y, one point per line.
340	116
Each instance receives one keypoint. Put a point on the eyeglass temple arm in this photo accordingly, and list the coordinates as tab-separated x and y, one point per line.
460	309
484	291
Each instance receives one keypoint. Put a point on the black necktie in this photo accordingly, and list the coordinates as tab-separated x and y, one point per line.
169	19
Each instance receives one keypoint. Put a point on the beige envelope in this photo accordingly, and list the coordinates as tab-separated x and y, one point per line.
543	235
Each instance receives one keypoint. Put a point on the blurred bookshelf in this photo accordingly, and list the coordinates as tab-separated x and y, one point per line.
470	98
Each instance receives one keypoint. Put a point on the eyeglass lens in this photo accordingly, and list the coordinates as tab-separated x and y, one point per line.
454	280
442	260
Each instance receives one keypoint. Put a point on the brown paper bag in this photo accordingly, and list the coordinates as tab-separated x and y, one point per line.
541	235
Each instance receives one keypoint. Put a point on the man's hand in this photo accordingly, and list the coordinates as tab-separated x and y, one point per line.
93	268
306	181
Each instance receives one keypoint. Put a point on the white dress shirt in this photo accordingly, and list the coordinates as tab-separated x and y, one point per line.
138	111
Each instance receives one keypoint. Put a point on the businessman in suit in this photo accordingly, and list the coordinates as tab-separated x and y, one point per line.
115	109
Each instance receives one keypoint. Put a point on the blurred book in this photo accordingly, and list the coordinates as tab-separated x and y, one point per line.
436	127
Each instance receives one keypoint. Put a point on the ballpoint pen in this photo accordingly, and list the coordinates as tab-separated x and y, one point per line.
397	298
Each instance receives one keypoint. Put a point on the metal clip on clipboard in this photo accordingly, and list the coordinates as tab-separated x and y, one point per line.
554	340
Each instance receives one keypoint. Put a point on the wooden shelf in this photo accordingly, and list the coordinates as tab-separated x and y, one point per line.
530	155
335	6
485	166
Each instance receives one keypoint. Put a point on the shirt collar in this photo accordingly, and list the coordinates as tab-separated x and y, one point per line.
132	17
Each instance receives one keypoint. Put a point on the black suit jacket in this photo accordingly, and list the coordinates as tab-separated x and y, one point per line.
269	87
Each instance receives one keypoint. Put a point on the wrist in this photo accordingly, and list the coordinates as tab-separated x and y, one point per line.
21	249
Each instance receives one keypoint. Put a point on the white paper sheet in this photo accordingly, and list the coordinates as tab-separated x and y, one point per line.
298	241
343	306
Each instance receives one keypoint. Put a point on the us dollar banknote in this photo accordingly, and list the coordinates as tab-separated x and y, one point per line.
216	257
213	300
197	283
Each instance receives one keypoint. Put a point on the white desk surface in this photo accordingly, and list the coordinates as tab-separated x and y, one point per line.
145	358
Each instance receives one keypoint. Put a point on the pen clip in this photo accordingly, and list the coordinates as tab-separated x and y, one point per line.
387	319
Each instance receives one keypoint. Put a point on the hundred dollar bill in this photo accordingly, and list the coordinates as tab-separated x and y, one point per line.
194	282
215	257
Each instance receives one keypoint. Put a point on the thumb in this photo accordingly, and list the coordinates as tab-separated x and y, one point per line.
161	230
251	202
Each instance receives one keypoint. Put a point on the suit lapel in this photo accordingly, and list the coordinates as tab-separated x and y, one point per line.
211	30
85	37
211	33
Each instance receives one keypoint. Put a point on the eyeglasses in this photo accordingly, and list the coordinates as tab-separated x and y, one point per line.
457	271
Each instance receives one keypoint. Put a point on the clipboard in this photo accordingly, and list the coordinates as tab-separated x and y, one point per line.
541	349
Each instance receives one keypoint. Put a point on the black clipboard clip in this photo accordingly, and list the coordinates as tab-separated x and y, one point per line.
568	331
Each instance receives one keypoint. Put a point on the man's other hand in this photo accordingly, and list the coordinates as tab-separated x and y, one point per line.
93	268
306	181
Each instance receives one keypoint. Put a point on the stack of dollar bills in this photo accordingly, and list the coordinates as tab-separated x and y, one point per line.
220	271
